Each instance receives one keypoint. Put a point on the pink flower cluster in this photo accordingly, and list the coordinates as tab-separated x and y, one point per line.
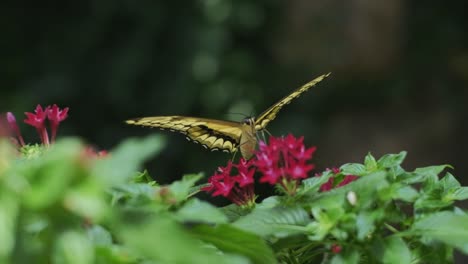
283	161
239	188
53	113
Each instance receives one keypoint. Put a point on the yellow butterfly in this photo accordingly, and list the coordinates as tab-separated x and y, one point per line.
223	135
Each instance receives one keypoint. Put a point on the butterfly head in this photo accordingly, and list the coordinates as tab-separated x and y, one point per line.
248	121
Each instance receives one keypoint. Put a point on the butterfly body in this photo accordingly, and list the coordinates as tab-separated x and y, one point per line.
222	135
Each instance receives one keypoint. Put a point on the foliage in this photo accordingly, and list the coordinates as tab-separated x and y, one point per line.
62	205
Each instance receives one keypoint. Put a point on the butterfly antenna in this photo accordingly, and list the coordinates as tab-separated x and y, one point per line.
268	132
233	156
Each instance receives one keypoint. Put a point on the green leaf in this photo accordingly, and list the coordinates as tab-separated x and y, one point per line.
270	202
460	194
50	175
99	235
199	211
234	212
406	193
230	239
449	182
161	239
430	174
277	221
312	185
370	163
348	256
87	200
446	227
365	224
335	198
325	220
127	158
392	250
391	160
452	189
180	190
353	169
9	209
73	247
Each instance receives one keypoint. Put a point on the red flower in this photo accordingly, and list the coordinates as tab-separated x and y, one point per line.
238	188
91	152
14	127
330	184
335	248
55	116
37	120
284	161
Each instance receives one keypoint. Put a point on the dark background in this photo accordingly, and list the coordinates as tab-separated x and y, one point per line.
399	72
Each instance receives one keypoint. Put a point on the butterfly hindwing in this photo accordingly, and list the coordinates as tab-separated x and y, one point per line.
263	119
212	134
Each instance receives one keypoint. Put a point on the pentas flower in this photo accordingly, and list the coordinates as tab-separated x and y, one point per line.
283	161
55	116
335	248
37	120
14	127
330	184
239	188
91	152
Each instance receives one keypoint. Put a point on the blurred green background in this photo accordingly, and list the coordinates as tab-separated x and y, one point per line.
399	72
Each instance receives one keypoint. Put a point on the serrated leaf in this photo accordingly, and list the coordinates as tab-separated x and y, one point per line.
391	160
353	169
278	221
199	211
446	227
230	239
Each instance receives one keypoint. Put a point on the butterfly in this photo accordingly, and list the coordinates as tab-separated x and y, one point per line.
222	135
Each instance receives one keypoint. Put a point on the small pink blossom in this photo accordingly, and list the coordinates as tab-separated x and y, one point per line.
238	188
284	161
37	120
55	116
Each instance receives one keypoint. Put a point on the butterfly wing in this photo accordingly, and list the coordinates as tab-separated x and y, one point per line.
212	134
263	119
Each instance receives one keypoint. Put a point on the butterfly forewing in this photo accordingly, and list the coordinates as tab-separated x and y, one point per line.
223	135
266	117
211	133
